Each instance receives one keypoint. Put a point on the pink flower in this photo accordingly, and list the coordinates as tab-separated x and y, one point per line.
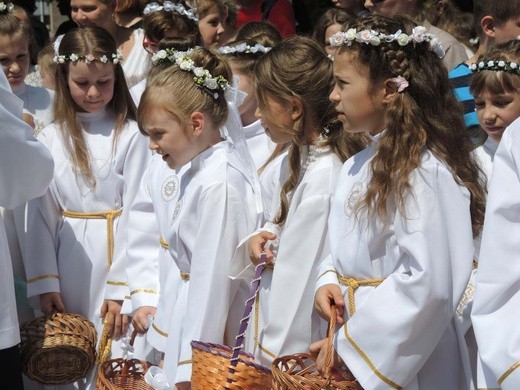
401	83
89	58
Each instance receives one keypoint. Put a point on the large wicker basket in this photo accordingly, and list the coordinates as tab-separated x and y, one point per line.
123	374
58	348
217	367
299	371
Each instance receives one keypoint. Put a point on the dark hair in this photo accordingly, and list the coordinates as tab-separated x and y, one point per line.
426	116
97	41
498	82
159	24
500	11
330	17
255	30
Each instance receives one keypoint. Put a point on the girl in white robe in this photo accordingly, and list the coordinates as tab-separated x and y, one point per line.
26	171
497	98
76	236
148	259
15	37
214	202
404	215
293	107
242	55
496	292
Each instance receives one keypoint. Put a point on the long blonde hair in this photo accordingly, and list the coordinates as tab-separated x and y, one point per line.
426	116
82	41
299	68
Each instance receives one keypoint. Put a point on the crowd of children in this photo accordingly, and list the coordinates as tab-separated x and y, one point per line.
375	164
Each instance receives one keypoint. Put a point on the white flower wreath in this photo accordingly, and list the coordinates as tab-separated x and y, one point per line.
203	77
6	6
189	12
244	48
116	58
496	65
375	38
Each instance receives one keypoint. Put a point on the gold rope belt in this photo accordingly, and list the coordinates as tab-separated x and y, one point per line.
352	285
105	341
109	216
164	243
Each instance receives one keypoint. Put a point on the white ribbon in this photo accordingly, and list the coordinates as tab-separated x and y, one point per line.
157	378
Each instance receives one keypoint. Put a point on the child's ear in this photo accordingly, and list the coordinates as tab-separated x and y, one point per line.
388	91
296	108
487	23
197	121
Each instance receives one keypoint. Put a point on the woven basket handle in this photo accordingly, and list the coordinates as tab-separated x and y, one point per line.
329	351
255	285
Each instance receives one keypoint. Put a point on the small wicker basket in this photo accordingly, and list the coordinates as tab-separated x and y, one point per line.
57	349
123	374
299	372
212	369
218	367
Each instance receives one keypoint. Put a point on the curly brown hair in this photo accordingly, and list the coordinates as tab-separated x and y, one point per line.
427	116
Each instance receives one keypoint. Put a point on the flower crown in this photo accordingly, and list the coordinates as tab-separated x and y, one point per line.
169	54
375	38
116	58
189	12
203	78
500	65
244	48
6	6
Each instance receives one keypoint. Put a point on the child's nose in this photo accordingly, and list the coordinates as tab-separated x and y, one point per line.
93	91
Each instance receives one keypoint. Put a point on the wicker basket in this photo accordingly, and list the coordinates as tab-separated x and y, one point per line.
57	349
123	374
212	369
299	372
221	367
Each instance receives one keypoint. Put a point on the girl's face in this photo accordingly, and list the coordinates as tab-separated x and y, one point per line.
170	138
210	27
14	58
85	12
276	118
358	102
496	112
91	85
330	31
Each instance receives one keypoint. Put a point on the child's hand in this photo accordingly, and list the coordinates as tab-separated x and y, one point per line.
325	297
116	323
140	319
338	371
256	246
29	119
51	303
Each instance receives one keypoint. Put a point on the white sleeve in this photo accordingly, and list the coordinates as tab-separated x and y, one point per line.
411	309
290	309
142	268
241	266
27	166
136	161
41	264
223	220
497	290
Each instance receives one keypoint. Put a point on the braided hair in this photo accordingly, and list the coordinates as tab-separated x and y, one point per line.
426	116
